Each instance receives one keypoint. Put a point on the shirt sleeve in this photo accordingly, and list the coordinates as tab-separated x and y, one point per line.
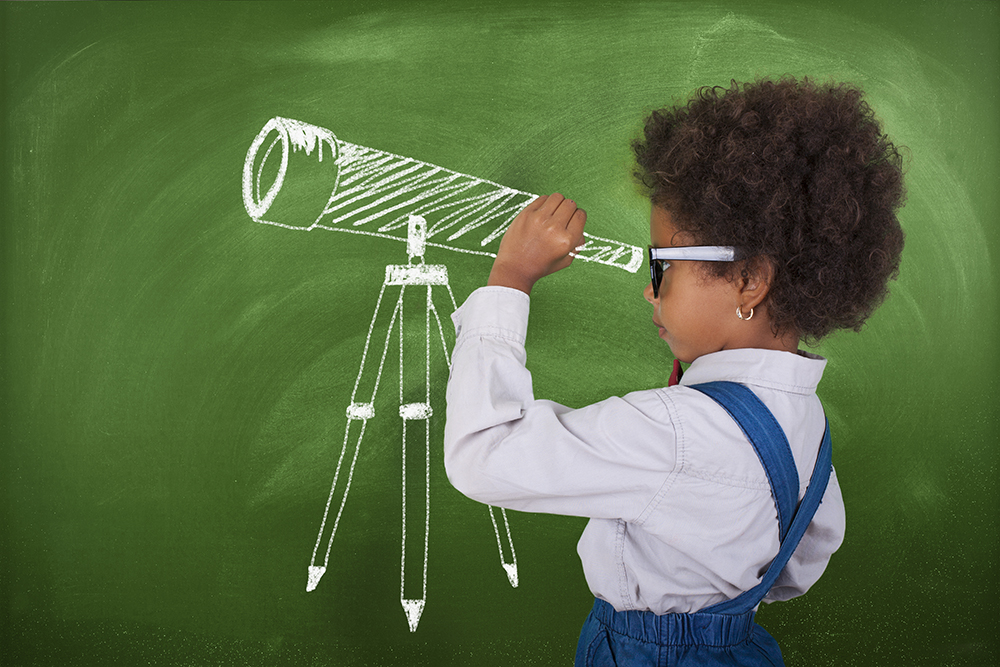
505	448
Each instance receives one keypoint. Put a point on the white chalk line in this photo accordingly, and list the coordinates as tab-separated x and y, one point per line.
365	172
608	256
432	184
413	607
315	573
263	162
510	567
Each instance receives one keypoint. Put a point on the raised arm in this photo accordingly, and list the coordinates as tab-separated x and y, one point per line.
505	448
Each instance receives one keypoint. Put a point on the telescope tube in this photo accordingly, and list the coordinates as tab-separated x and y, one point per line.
375	193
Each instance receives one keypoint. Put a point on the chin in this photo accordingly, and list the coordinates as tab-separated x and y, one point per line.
682	356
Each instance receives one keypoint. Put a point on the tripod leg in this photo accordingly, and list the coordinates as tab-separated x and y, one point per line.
509	566
413	423
415	411
316	572
356	412
503	536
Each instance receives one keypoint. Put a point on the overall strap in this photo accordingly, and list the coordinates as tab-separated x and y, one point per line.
772	448
768	440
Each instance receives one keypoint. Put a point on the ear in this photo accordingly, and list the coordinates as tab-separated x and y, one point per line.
755	280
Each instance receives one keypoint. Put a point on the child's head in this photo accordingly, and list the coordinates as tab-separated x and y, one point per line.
800	177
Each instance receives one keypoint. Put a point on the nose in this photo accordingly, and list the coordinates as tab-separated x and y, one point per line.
648	293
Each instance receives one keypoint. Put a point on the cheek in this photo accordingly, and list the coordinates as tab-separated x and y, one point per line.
685	304
672	295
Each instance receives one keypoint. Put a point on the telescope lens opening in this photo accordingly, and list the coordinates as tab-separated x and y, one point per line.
290	173
268	168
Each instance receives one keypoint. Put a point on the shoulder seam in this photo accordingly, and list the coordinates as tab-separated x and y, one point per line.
679	461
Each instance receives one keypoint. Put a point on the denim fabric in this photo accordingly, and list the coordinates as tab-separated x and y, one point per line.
631	638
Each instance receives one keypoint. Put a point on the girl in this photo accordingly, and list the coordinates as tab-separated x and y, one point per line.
773	221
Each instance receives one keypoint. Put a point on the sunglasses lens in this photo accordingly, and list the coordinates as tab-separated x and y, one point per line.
656	275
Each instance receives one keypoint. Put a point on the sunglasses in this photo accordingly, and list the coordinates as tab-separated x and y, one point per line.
660	258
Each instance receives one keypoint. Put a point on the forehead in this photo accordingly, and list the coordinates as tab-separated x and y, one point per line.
663	231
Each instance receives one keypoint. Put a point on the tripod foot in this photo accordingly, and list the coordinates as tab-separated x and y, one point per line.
511	570
414	609
316	573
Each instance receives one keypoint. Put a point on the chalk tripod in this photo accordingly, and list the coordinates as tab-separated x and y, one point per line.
414	336
378	194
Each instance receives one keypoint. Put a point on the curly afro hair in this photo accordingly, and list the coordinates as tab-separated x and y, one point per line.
791	171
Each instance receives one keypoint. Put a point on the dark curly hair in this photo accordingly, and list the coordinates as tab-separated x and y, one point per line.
793	171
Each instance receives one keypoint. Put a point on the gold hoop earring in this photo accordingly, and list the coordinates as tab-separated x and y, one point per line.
739	313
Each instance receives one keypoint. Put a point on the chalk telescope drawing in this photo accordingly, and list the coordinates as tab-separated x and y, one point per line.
302	177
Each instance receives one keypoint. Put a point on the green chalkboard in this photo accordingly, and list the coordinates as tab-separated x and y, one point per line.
179	379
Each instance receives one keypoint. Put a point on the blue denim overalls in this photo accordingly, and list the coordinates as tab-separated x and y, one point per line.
724	633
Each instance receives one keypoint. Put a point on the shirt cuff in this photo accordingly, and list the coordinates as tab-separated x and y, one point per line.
495	312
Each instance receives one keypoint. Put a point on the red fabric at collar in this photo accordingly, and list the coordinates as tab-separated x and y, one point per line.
675	376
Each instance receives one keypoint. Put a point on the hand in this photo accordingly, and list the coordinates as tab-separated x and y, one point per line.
540	241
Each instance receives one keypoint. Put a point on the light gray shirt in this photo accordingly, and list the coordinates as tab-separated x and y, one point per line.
681	512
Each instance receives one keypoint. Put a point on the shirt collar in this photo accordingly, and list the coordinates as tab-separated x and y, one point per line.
783	371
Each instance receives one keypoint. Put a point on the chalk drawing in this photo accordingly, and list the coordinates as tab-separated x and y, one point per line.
383	195
373	192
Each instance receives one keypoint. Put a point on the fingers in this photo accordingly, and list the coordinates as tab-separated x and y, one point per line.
559	209
557	212
576	223
537	203
573	220
551	203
